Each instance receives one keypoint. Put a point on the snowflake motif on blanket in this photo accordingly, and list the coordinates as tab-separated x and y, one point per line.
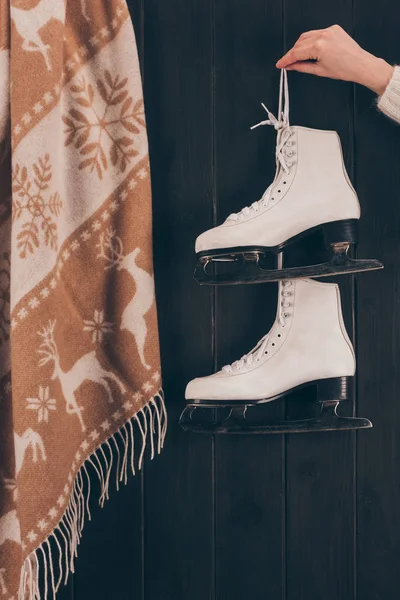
36	206
100	123
43	404
98	327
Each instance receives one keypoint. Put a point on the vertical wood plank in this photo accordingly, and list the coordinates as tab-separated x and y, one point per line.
110	561
66	592
136	8
179	485
250	505
378	179
320	467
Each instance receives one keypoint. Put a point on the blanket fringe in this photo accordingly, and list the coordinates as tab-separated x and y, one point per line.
49	566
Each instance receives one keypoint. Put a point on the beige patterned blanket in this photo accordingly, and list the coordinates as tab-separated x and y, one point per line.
79	355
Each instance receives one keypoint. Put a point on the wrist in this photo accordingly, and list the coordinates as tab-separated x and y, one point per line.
375	73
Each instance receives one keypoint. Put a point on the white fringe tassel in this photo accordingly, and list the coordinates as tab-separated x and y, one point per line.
49	566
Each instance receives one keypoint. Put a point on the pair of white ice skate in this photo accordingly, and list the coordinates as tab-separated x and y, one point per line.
308	343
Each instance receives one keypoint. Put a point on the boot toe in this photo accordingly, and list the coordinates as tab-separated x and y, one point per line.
212	239
205	241
213	387
197	389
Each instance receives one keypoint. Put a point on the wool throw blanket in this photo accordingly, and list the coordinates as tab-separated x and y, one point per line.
79	356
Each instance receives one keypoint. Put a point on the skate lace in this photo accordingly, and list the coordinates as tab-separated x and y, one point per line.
256	354
281	124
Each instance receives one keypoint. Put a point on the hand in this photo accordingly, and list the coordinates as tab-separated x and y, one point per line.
333	53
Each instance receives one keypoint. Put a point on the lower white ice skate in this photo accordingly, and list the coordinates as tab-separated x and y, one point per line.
311	190
307	346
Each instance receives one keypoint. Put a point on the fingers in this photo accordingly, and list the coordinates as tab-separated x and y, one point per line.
305	67
298	53
295	54
307	34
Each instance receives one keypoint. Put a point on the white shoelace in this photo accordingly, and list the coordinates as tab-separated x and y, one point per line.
258	351
281	124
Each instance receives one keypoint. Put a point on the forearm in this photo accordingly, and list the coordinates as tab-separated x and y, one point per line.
389	101
373	72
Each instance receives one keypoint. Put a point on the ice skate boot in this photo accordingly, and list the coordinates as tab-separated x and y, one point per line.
307	347
311	191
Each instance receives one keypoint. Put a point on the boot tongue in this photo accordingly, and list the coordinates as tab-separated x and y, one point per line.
247	359
282	125
283	135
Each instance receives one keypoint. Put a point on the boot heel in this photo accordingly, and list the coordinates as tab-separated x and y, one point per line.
335	389
339	232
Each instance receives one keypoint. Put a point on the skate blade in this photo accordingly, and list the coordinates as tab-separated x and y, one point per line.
237	424
253	273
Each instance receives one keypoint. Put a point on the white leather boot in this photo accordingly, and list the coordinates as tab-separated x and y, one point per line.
311	190
307	344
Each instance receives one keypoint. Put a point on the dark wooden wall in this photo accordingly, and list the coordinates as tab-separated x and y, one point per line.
301	517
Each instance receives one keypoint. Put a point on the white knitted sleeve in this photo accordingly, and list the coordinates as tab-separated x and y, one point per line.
389	102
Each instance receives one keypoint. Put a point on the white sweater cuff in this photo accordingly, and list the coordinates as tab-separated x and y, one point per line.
389	102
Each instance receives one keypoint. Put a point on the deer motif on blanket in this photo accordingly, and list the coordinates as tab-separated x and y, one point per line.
3	587
29	439
10	529
30	22
133	317
85	9
9	523
86	368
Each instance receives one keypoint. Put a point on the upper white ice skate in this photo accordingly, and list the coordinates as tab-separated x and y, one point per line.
308	342
311	187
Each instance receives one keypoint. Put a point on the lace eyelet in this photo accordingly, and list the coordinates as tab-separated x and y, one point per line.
286	315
